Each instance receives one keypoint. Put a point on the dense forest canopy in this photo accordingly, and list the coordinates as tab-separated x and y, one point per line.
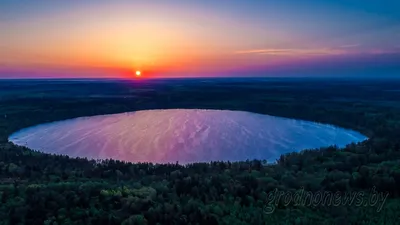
37	188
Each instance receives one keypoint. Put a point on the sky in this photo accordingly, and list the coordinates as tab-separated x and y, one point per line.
206	38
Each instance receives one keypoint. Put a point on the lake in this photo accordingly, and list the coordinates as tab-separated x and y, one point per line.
183	135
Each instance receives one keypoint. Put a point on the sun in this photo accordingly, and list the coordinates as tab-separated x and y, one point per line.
138	73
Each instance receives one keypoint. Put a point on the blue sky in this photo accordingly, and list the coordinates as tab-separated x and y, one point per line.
199	38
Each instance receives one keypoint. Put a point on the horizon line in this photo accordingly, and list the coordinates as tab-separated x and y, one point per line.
202	77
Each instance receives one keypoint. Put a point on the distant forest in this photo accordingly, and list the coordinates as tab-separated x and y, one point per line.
38	188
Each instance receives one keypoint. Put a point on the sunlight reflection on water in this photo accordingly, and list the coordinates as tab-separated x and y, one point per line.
184	135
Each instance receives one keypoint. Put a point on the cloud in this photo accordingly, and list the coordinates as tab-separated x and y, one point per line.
383	51
320	51
350	46
293	52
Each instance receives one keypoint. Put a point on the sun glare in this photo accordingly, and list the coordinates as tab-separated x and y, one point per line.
138	73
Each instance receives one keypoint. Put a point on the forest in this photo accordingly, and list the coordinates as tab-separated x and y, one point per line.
38	188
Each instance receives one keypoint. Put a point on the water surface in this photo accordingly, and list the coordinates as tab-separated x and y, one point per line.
184	135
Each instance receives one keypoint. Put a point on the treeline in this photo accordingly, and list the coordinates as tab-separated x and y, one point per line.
60	190
37	188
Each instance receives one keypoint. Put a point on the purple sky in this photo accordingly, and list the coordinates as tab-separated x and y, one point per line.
179	38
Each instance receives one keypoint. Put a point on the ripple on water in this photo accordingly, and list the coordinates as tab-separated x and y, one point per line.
184	135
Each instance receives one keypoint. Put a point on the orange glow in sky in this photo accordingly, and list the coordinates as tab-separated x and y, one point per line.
178	38
158	38
110	36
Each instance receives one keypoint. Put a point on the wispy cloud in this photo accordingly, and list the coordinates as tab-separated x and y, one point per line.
320	51
350	46
384	51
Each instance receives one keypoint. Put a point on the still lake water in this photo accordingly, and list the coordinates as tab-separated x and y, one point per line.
183	135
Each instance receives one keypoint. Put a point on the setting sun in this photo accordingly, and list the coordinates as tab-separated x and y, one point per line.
138	73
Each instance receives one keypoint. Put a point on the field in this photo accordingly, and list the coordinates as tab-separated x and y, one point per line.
37	188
